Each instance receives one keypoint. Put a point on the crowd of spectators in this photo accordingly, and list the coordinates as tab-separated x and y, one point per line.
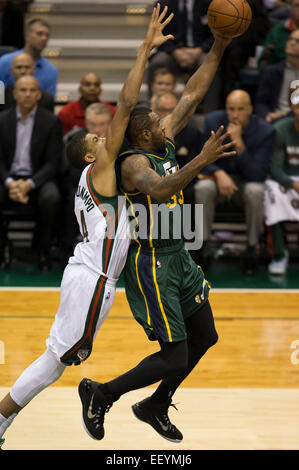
261	180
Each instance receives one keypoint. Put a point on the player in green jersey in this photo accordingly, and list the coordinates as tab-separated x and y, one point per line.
166	290
89	280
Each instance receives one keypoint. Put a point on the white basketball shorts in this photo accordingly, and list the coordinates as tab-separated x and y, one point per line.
85	300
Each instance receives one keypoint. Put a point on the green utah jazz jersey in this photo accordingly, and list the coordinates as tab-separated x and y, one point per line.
155	224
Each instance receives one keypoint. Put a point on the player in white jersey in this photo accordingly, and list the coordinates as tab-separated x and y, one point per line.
89	280
97	216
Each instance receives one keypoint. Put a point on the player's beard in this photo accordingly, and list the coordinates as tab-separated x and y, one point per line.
159	144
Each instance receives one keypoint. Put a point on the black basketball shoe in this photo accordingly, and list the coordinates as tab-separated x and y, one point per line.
157	416
94	406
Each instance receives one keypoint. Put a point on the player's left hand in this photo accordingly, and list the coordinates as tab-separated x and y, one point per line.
214	147
155	36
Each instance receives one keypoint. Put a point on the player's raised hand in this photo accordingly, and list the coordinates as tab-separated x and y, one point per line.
155	36
224	40
214	147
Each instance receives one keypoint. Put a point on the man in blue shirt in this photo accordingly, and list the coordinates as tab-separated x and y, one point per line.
240	178
37	36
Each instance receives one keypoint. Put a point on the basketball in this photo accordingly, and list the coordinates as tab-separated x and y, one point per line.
230	18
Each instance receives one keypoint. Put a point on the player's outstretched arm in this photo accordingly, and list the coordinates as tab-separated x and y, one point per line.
129	95
139	174
196	88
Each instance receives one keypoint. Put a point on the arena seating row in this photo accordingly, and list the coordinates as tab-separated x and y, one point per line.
103	36
99	36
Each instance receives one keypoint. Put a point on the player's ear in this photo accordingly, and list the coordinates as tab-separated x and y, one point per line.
89	158
146	134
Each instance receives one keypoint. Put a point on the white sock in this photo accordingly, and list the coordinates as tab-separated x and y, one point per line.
5	423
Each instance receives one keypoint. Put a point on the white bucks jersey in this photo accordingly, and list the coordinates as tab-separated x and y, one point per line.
104	227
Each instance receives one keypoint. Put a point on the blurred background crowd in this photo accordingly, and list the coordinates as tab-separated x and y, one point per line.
250	96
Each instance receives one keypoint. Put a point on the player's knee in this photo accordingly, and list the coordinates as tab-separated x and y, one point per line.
199	347
254	193
210	340
176	357
180	362
213	339
205	190
176	366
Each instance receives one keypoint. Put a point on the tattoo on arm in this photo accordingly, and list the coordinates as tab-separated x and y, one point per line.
137	174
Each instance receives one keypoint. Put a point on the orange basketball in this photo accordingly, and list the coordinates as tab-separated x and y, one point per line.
229	18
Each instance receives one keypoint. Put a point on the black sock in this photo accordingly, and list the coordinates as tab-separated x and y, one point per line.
162	395
106	391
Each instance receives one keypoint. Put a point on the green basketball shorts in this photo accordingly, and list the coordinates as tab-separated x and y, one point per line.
163	287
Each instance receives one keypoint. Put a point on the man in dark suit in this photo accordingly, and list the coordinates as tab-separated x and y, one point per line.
272	97
239	178
192	36
23	64
192	41
31	147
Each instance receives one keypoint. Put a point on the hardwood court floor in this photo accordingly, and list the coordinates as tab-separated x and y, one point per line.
210	419
243	394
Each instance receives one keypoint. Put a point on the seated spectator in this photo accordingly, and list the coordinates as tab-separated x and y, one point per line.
36	40
163	103
272	97
275	42
98	117
97	120
31	148
163	80
242	48
277	10
192	40
23	64
192	37
72	115
282	188
239	178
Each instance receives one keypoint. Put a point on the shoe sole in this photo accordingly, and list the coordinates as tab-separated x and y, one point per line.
90	435
176	441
